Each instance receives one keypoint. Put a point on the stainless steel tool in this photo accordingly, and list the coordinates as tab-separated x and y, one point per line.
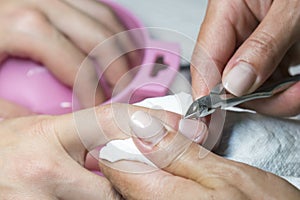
218	99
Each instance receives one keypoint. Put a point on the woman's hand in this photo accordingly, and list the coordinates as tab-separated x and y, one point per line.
249	42
42	157
188	171
60	34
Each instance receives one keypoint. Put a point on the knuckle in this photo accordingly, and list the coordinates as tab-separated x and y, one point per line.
38	170
28	21
26	17
263	43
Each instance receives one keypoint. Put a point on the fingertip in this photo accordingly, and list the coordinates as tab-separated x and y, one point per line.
195	130
158	142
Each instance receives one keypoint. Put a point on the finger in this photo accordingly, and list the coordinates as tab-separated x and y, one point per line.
193	130
260	54
284	104
166	148
51	48
79	183
212	52
177	156
154	185
9	110
87	129
88	38
99	12
103	14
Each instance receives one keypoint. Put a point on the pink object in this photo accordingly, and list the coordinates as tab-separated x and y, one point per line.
33	86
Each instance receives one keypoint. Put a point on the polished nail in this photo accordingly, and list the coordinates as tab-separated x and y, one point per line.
193	129
240	79
147	128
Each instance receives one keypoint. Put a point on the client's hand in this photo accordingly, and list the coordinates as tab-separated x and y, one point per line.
188	171
60	34
42	157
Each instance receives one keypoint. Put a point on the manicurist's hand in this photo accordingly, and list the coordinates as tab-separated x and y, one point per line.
60	34
42	157
188	171
249	43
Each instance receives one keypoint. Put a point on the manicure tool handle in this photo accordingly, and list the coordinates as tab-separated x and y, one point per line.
262	93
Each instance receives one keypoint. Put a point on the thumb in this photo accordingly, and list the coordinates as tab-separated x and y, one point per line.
257	58
173	152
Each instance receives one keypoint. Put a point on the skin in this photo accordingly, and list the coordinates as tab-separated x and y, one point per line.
42	157
61	34
195	173
263	33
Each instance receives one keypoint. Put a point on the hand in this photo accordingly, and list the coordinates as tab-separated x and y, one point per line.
42	157
60	34
249	42
188	171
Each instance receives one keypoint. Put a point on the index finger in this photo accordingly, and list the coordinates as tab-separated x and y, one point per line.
225	26
212	52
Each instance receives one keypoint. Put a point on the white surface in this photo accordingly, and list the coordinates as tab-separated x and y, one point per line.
181	16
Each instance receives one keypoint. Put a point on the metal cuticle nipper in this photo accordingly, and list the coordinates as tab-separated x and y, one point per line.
219	99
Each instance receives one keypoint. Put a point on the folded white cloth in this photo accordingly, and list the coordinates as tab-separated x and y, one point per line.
268	143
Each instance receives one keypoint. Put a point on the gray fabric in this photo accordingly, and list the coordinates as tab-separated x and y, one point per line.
271	144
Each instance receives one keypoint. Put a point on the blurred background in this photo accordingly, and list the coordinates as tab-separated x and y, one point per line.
184	17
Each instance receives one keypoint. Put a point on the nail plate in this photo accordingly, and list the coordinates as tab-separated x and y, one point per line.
193	129
147	128
240	79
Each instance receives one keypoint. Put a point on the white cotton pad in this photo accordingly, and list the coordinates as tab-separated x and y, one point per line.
117	150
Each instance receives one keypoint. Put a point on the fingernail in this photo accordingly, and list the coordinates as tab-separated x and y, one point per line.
240	79
193	129
147	128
